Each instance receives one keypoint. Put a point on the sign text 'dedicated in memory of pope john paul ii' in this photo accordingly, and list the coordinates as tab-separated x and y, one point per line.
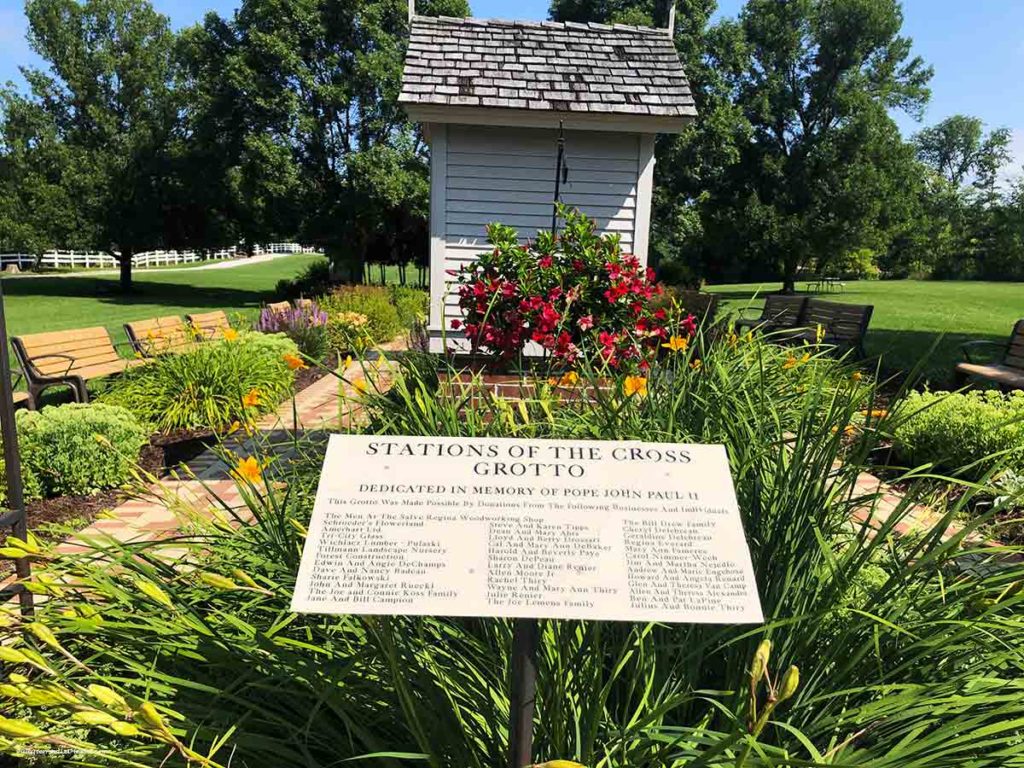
527	528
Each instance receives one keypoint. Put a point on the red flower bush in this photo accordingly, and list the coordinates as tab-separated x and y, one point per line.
575	294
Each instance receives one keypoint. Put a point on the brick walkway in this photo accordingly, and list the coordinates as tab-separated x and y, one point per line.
205	485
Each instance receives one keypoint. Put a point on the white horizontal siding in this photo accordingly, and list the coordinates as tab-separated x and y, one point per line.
506	175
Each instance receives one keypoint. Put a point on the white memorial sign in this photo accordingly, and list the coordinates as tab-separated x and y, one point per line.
444	526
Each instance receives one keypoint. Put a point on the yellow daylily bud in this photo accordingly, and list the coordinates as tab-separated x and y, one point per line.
14	677
43	634
121	728
243	577
12	655
59	695
18	729
153	592
93	717
107	696
217	581
760	663
147	712
298	526
11	691
790	682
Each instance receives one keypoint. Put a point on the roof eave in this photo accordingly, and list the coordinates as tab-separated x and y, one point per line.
536	118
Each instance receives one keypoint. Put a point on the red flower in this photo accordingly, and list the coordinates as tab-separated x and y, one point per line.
456	324
545	262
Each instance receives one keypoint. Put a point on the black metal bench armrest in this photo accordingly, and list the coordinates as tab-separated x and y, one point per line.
748	322
36	375
967	346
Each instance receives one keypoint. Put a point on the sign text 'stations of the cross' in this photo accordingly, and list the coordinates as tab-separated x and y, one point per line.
626	531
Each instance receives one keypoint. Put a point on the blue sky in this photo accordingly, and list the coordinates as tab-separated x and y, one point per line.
976	48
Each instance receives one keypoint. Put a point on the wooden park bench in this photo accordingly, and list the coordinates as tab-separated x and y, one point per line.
279	307
798	319
159	334
843	326
1008	372
68	358
307	304
209	325
780	313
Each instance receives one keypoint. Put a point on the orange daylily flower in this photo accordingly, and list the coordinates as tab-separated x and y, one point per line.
697	365
792	361
249	469
295	362
230	334
251	399
361	386
677	344
568	379
635	385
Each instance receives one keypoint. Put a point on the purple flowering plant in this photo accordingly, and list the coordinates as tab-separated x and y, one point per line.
306	326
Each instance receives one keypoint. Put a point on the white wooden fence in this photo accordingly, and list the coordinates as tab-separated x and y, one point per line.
98	260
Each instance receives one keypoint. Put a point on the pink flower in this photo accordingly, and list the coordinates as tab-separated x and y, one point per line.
586	322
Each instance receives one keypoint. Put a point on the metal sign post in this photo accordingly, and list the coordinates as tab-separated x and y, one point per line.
523	694
15	517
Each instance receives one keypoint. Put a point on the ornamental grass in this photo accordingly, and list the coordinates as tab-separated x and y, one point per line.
885	651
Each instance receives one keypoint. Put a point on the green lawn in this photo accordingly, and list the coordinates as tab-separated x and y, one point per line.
37	304
911	315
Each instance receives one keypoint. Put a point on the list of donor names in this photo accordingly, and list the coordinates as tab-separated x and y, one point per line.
663	544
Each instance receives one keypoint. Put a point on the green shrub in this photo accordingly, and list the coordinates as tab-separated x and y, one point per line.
412	304
31	486
955	431
204	387
383	322
315	280
78	448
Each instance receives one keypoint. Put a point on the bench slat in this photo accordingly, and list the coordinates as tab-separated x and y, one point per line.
1000	374
61	337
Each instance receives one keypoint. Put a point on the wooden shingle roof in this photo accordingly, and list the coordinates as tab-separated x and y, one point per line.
545	66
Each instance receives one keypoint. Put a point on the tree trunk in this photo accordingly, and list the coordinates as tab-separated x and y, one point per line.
125	261
788	285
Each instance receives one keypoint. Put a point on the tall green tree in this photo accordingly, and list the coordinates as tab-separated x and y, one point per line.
104	104
303	96
959	149
794	158
821	173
